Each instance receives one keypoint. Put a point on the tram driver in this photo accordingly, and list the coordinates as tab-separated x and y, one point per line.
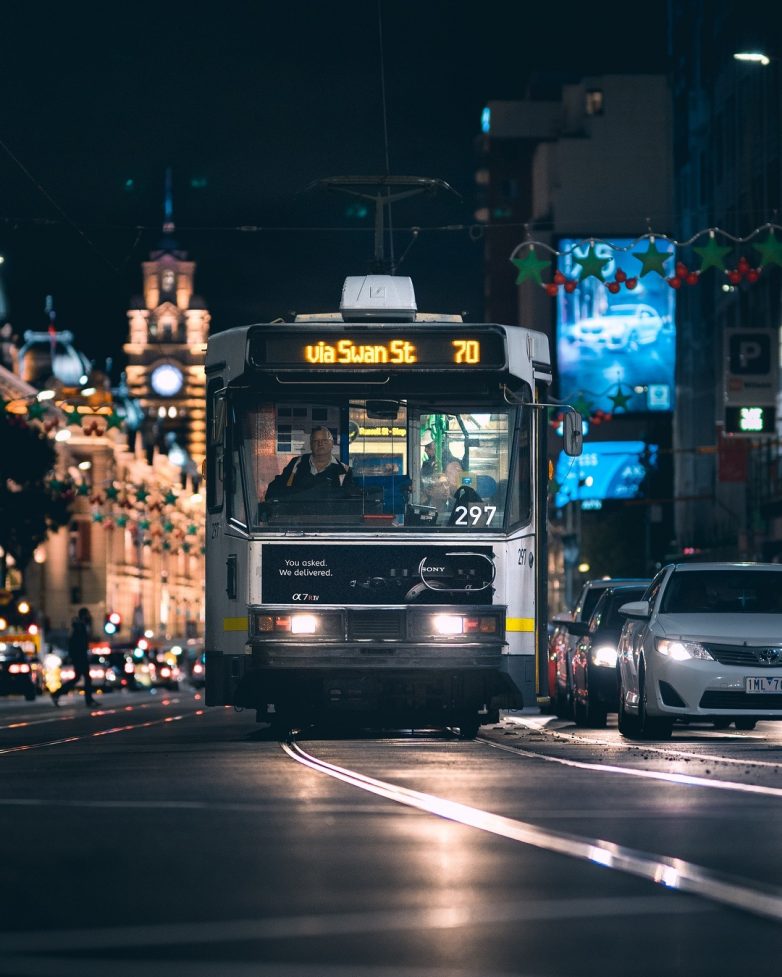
318	472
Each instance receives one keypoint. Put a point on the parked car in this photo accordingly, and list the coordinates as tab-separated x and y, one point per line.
20	674
593	676
704	644
562	642
198	672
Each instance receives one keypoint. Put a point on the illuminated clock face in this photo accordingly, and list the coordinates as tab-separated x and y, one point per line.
166	380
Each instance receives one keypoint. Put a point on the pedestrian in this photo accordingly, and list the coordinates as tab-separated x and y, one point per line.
78	651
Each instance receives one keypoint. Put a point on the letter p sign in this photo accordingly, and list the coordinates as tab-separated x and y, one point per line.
750	353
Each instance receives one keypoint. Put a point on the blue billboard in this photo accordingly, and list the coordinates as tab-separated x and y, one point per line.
617	347
605	470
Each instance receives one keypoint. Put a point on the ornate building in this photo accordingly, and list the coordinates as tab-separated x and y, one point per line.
169	327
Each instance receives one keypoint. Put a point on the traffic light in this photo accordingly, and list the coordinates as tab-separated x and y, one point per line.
111	623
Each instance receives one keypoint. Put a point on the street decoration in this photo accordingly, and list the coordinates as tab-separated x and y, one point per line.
707	250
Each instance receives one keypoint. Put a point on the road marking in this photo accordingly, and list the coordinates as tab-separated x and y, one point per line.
673	873
672	778
99	732
540	727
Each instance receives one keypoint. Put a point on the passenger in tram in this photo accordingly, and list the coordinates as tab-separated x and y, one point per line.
438	493
318	473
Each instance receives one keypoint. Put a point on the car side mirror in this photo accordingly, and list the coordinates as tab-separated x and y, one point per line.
638	609
578	628
573	433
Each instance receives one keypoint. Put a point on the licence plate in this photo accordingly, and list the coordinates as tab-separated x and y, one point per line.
763	683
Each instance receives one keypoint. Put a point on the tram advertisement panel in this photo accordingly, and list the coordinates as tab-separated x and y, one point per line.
328	574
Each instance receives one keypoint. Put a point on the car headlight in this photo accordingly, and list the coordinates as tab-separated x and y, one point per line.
682	650
604	656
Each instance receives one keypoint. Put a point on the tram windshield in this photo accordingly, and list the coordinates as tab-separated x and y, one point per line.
372	464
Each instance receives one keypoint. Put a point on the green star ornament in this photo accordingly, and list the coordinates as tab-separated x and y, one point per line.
114	420
652	259
582	405
620	400
713	254
72	417
142	494
170	498
122	521
770	249
36	410
591	265
83	489
529	266
112	492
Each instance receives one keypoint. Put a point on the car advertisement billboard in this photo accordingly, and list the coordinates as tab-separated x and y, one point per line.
617	348
605	470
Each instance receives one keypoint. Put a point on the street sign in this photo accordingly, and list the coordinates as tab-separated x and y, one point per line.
751	367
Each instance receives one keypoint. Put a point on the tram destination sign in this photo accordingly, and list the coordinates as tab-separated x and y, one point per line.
394	349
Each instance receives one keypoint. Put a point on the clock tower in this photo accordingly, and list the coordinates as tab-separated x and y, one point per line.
169	327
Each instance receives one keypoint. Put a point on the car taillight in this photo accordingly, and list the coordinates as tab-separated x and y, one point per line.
18	668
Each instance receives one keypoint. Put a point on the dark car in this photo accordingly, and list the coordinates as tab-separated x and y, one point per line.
20	674
198	672
593	675
562	642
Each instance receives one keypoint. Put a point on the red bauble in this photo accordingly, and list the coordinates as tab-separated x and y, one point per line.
743	264
559	278
681	269
734	276
613	287
551	288
692	278
631	283
570	285
674	282
752	275
620	276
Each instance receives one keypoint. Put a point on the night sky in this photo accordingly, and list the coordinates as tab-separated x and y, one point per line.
249	104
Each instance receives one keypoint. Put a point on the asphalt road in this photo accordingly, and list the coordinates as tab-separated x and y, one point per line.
152	836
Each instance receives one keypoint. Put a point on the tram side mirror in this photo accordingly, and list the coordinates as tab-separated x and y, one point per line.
383	410
573	433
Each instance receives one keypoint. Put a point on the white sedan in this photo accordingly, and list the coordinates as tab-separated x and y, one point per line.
706	644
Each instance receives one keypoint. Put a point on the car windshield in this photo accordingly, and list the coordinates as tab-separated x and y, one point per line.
729	591
612	618
364	464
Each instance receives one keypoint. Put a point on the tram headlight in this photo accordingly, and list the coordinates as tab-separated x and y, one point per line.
448	624
304	624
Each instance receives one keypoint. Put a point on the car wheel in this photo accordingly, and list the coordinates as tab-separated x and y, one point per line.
744	722
650	727
594	712
562	705
628	723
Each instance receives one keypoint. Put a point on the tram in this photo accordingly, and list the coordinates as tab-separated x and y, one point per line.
411	589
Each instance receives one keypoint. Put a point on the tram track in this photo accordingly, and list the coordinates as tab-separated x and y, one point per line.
667	871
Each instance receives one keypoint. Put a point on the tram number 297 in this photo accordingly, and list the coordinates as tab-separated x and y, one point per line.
473	515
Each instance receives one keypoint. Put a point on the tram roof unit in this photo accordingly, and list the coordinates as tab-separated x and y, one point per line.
387	302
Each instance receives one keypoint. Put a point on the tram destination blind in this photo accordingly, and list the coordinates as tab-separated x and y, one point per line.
386	349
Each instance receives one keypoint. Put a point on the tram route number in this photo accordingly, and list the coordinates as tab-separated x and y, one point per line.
215	530
473	515
522	556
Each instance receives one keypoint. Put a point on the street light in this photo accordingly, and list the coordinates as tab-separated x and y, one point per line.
755	56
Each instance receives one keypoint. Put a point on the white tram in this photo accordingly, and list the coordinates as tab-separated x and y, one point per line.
411	592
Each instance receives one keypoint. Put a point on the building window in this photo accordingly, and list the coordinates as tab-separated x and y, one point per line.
593	101
80	543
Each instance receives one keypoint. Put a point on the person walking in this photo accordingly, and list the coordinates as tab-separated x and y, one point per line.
78	651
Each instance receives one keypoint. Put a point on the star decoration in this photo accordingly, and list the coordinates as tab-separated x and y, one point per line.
166	545
83	489
168	526
529	266
652	259
192	529
170	498
713	254
771	249
112	492
114	420
582	405
591	264
142	494
72	417
143	524
36	410
620	400
97	517
185	547
122	521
